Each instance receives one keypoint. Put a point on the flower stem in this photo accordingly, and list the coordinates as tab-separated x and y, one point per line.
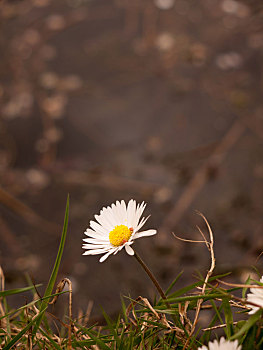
154	280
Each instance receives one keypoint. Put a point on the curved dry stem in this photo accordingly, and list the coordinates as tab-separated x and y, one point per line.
187	240
240	285
59	289
210	247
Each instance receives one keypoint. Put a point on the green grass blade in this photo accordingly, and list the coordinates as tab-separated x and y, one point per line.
194	285
21	333
98	341
111	328
196	297
206	336
30	304
247	325
124	310
173	283
244	291
6	293
228	317
54	273
52	342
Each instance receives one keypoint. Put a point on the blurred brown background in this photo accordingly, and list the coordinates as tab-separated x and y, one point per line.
158	101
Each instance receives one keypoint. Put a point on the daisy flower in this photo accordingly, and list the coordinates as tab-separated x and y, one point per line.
223	344
256	296
117	226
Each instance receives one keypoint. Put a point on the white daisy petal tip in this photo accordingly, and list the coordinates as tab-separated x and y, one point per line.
129	249
145	234
117	226
104	257
222	344
255	296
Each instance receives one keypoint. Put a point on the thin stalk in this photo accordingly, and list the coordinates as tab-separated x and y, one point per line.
153	279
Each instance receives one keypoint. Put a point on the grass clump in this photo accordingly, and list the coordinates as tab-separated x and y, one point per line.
171	322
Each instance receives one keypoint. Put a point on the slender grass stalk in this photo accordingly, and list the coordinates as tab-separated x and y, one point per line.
54	273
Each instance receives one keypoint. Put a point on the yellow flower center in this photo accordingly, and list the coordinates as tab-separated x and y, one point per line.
120	235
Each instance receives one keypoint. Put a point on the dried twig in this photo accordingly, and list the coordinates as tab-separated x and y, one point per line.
147	315
210	247
182	309
216	327
187	240
240	285
59	289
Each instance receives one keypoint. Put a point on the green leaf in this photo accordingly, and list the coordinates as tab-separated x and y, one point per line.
206	336
247	325
194	285
99	342
31	304
228	317
154	323
6	293
53	276
52	342
244	291
111	327
173	283
204	297
124	309
250	339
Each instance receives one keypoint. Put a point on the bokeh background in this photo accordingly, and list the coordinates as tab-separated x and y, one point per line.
156	100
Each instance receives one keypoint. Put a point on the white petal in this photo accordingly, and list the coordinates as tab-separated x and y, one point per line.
123	212
222	344
144	234
139	211
94	246
102	220
96	241
255	299
118	212
143	221
94	234
256	296
110	219
96	251
98	228
118	249
104	257
131	210
129	249
257	291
